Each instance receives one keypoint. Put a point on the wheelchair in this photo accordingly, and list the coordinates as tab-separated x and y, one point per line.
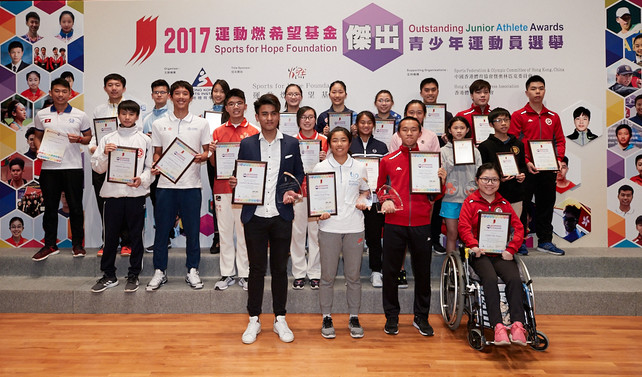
460	292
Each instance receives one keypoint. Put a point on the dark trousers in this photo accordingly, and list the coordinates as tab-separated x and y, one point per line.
97	180
258	232
542	186
435	222
119	211
373	226
53	183
395	240
488	269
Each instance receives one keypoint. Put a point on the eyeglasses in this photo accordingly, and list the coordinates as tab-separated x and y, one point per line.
488	180
293	95
157	92
501	120
235	104
307	117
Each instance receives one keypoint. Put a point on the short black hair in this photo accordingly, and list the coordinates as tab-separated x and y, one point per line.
35	72
625	188
410	118
497	112
625	127
638	220
584	111
17	161
63	49
452	121
412	102
301	111
235	92
66	12
479	85
573	210
115	76
565	160
182	84
32	15
267	99
129	105
340	129
428	80
160	82
30	131
638	158
15	44
66	74
60	81
487	166
16	218
535	78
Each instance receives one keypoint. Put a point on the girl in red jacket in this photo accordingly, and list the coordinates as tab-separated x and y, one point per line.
489	267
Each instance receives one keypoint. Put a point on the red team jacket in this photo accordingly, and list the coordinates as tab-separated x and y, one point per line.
527	125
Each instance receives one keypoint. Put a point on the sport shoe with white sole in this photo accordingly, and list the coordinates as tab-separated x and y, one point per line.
159	278
243	283
253	329
193	279
376	278
223	283
132	284
327	329
281	327
104	283
356	331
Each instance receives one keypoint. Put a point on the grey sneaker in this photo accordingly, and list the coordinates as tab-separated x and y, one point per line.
327	329
356	331
104	283
243	283
159	278
224	283
193	279
132	284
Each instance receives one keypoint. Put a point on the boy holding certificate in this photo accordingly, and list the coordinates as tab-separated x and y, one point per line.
270	222
490	266
124	155
480	94
535	122
184	193
410	227
64	176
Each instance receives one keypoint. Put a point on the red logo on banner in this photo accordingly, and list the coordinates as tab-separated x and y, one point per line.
145	39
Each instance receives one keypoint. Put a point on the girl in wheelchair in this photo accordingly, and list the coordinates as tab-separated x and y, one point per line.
490	266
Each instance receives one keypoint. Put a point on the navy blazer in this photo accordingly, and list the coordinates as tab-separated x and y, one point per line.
290	162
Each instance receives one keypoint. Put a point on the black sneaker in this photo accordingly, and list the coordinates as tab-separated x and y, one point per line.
402	282
423	326
216	246
132	284
356	331
327	329
438	249
104	283
314	283
392	326
298	283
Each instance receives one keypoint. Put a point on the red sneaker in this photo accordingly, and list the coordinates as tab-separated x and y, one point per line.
518	334
501	336
45	252
100	252
125	251
78	251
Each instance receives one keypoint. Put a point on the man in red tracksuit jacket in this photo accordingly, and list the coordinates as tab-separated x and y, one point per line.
535	122
407	227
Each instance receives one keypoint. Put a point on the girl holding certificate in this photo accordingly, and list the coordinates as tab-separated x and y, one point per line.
460	181
293	97
337	94
489	267
303	225
342	234
383	103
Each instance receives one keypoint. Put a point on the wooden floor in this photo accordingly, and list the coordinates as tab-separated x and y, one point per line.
210	345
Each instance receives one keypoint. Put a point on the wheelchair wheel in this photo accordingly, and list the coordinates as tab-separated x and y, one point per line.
476	339
451	291
540	343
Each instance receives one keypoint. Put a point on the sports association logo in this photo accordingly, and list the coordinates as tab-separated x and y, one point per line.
145	39
202	79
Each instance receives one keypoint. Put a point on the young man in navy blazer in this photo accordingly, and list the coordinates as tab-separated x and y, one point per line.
272	221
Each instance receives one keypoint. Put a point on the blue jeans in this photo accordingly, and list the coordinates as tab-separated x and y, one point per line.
170	202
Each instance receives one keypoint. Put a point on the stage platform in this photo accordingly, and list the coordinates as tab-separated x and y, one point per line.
593	281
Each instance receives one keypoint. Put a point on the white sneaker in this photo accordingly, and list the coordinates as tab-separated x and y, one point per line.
225	282
281	328
159	278
253	329
193	280
377	279
243	283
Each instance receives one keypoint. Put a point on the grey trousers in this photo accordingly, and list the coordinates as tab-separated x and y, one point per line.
331	246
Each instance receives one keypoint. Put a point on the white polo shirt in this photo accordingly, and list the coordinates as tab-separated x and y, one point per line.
193	131
70	121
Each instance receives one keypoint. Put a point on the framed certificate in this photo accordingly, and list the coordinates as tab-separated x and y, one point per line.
424	169
383	130
482	128
435	119
494	229
310	154
288	124
104	126
213	118
250	186
226	155
322	194
53	146
175	160
544	154
122	164
340	120
372	168
507	164
463	152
